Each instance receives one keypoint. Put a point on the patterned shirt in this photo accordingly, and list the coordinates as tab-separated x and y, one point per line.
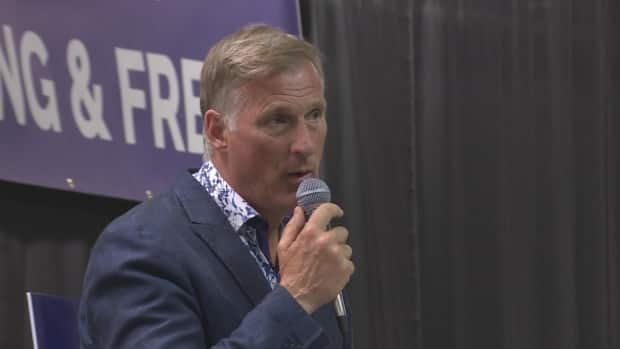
243	218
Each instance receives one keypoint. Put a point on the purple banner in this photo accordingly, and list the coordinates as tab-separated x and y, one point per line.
102	96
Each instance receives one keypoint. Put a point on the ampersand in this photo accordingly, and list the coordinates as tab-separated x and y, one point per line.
78	62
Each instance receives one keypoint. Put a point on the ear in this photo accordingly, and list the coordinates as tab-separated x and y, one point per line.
215	129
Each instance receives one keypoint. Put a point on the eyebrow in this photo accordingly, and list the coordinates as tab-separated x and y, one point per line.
285	108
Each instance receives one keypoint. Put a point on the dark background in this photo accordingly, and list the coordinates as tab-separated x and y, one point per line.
474	147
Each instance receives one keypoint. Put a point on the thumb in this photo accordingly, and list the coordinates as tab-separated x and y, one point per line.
292	228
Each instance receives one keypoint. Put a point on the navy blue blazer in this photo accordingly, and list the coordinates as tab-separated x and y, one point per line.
172	273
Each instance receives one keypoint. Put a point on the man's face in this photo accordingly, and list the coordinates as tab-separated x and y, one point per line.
277	140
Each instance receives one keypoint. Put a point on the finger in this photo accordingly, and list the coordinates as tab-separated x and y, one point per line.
350	267
324	214
346	251
339	234
292	228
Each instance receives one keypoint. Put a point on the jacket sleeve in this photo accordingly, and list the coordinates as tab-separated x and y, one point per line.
277	322
137	295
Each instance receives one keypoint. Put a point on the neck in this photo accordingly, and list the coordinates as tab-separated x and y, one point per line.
273	236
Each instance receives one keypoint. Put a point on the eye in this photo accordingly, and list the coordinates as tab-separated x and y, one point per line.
315	114
278	120
277	123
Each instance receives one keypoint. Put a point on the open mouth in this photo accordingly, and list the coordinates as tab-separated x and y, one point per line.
300	175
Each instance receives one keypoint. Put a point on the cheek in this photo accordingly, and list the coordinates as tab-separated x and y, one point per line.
271	150
322	136
266	159
320	141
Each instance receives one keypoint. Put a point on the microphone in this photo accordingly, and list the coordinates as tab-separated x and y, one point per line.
311	193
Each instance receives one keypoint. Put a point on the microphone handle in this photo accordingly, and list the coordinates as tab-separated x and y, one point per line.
339	305
341	314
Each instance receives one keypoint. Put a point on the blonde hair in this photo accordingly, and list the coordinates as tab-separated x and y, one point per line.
254	52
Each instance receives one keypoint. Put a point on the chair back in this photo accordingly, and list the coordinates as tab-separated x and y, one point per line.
53	321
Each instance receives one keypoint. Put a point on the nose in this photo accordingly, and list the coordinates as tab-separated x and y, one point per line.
303	143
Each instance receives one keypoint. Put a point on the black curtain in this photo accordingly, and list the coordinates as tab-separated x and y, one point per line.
518	213
475	149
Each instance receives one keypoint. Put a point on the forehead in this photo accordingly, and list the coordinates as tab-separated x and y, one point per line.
300	85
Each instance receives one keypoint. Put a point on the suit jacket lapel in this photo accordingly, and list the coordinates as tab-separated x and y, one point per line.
213	228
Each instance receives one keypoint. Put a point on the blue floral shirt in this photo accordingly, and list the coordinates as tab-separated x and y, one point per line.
243	218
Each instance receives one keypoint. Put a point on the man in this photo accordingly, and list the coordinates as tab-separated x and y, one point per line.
225	259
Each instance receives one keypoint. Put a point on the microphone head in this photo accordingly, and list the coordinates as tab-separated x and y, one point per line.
311	193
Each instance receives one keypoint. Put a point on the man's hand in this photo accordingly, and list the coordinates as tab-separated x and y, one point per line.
315	264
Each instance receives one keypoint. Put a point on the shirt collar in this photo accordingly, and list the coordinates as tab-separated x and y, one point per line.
235	208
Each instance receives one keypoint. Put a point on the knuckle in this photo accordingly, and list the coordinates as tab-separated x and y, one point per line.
310	228
348	251
345	233
323	241
335	250
345	270
336	232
